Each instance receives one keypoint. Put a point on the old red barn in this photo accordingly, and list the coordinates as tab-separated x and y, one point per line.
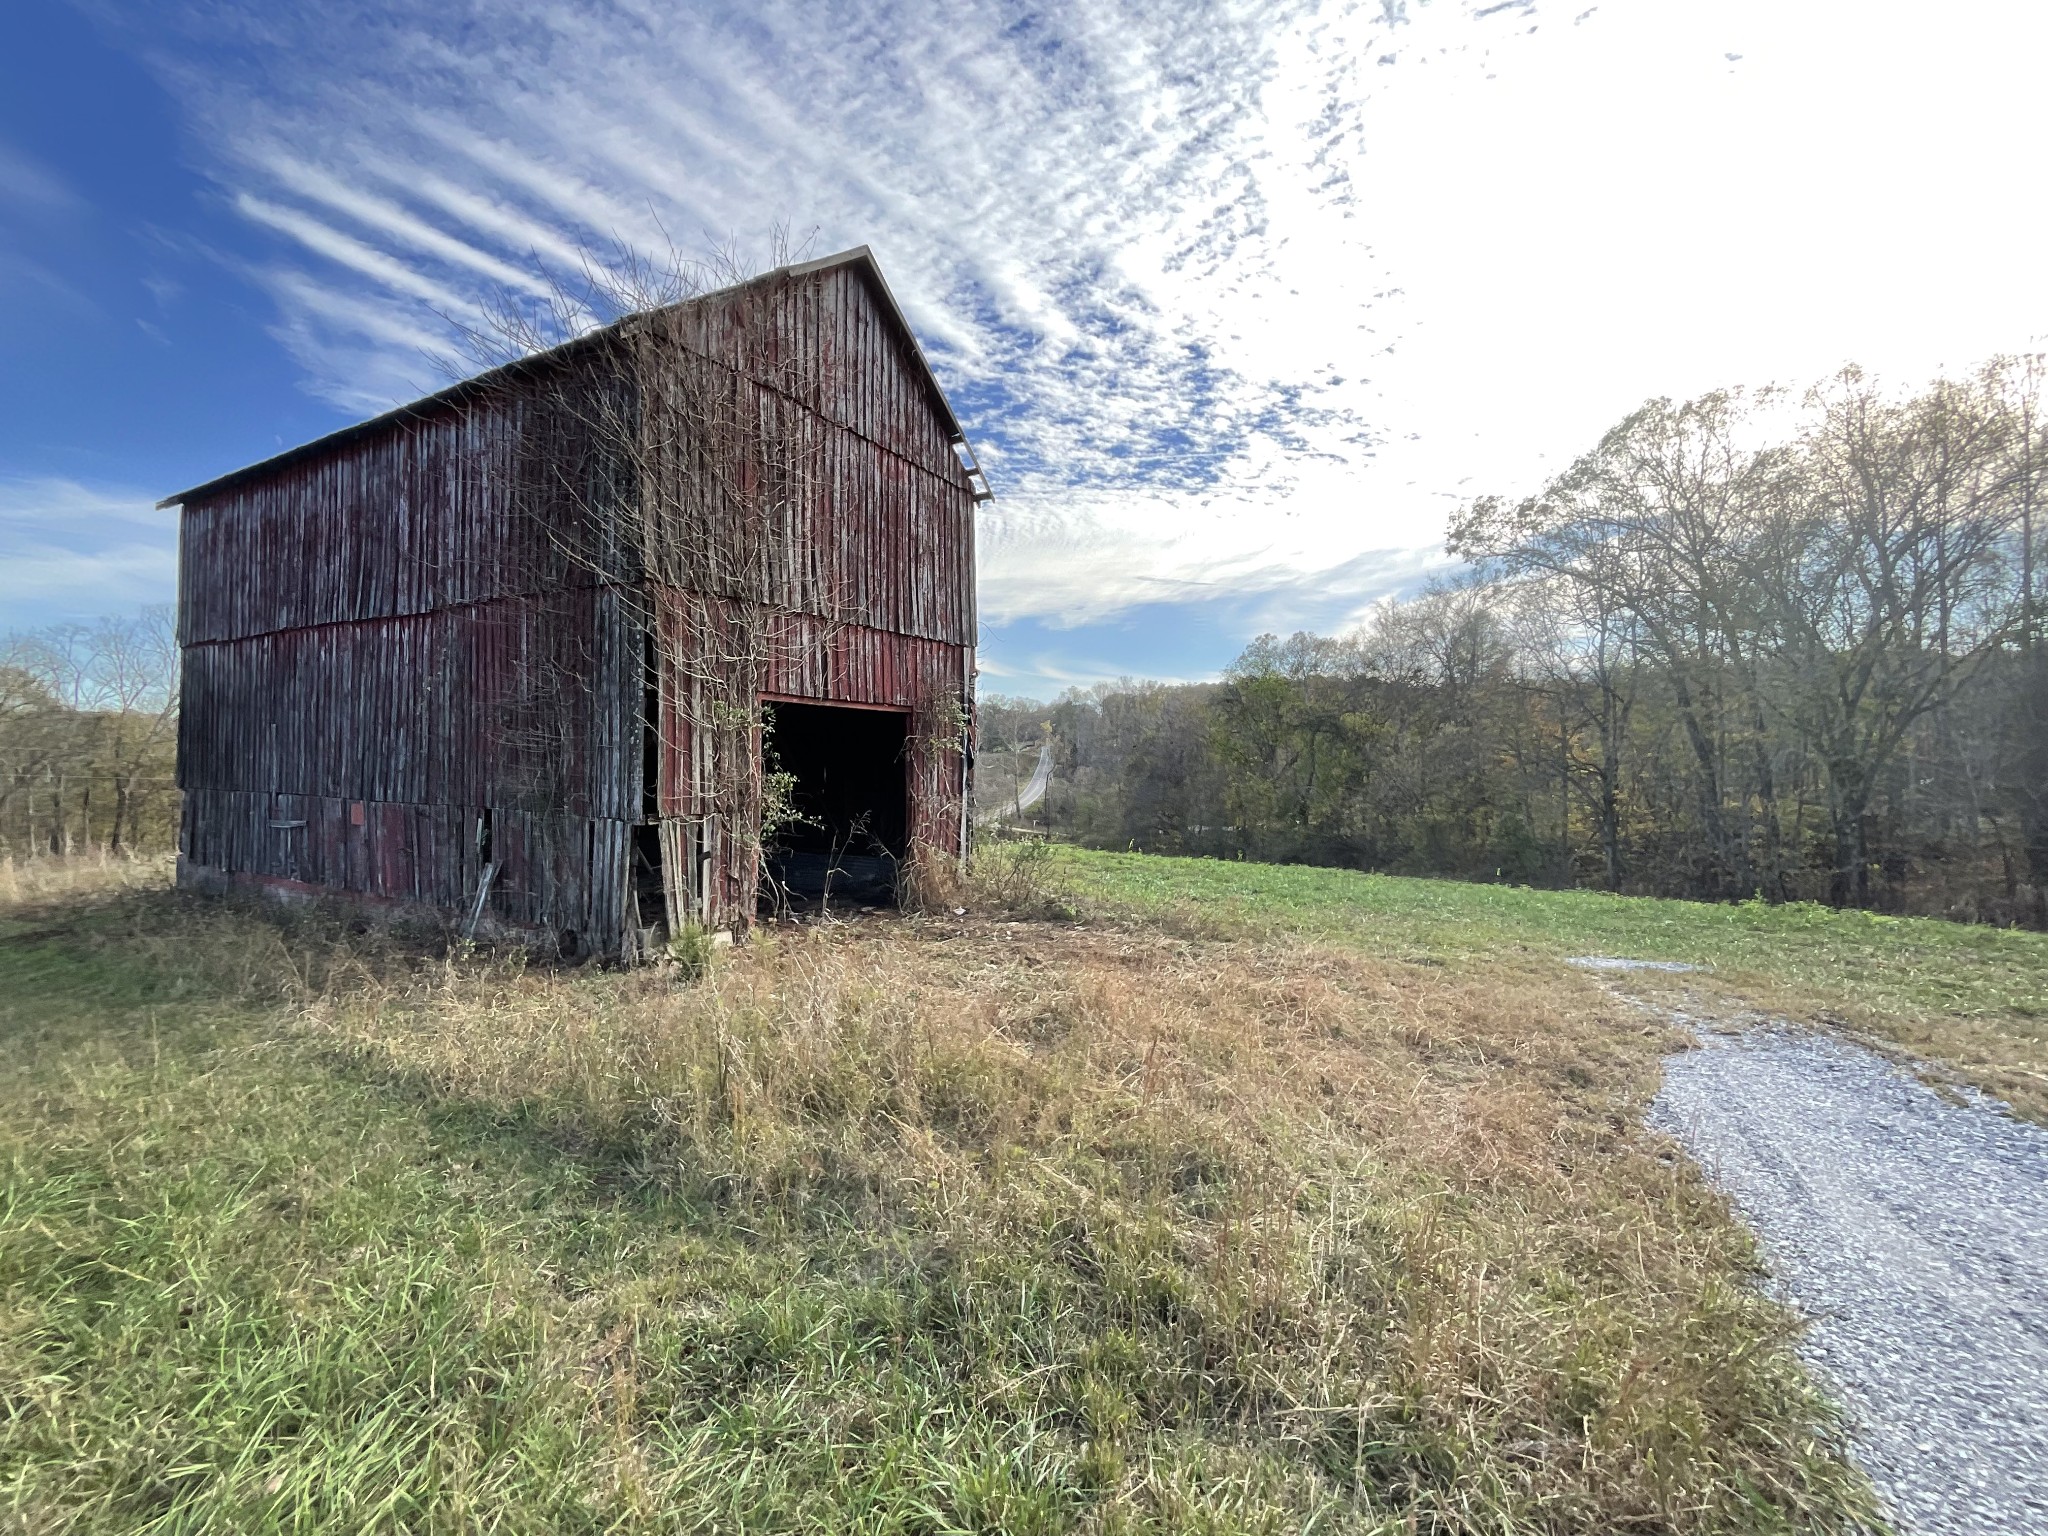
592	643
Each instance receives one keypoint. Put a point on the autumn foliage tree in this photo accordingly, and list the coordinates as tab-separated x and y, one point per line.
1755	643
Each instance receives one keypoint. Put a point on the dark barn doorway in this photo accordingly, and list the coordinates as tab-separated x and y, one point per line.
848	825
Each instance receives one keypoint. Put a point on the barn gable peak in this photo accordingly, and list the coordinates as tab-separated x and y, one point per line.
859	259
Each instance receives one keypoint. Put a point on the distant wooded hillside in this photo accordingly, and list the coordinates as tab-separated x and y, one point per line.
88	737
1749	644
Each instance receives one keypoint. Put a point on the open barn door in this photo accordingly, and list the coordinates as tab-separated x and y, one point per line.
844	826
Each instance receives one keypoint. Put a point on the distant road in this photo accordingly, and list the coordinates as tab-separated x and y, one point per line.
1032	792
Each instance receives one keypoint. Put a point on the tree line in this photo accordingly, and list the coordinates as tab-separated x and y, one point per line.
88	737
1752	644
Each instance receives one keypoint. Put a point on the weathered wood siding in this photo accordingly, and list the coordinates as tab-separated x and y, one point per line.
810	659
390	668
393	644
867	588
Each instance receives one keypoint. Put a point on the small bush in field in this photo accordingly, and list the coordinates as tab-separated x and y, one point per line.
690	949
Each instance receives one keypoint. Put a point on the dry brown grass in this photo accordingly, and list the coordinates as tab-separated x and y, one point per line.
1403	1224
981	1222
26	884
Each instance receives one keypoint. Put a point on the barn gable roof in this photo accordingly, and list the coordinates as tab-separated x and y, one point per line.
860	259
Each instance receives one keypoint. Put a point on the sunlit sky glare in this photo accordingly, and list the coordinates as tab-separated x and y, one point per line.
1237	302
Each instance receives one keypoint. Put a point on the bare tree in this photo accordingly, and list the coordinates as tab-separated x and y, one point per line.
1573	652
32	738
1887	580
133	664
2018	383
1658	523
86	708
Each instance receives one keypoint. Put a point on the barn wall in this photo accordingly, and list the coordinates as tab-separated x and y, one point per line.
520	701
562	876
383	648
864	592
392	637
417	518
822	340
847	501
709	779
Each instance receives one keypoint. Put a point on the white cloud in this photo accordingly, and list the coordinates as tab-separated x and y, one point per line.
386	269
54	505
70	551
1045	675
1233	295
1077	558
388	219
27	184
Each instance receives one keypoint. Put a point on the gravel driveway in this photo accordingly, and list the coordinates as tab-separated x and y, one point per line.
1914	1232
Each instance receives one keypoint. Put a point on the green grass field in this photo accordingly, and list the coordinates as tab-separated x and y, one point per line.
1971	998
920	1224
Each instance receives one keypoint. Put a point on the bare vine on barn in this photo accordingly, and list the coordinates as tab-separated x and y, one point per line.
674	467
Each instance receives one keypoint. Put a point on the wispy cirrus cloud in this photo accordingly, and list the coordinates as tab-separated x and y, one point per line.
1081	208
1235	298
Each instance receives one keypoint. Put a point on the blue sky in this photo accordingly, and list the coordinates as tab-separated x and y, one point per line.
1236	300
